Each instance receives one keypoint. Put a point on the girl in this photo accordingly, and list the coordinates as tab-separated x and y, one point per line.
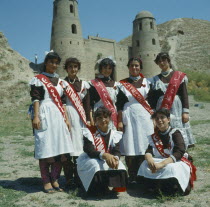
78	111
167	166
52	138
134	117
169	90
103	89
100	165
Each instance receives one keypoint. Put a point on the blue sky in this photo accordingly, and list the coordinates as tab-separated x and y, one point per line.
27	23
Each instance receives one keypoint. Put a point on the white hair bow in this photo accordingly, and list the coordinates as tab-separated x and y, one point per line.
110	57
46	52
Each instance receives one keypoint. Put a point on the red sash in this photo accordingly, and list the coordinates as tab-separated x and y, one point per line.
192	170
172	89
137	95
159	146
53	93
105	97
76	101
99	142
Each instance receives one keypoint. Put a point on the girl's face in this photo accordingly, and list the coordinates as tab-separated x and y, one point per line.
164	64
134	68
72	69
162	122
106	71
51	65
102	122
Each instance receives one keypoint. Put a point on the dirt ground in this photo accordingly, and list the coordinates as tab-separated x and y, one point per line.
19	172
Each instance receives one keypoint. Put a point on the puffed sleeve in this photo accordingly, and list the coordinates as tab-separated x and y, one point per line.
179	145
183	94
90	149
37	90
94	96
149	150
116	149
121	100
88	146
153	96
86	105
150	146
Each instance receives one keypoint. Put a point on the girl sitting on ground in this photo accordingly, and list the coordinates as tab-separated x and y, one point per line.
100	166
167	166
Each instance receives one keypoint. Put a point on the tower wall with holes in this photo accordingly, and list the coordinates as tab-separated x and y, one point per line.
145	42
66	34
67	40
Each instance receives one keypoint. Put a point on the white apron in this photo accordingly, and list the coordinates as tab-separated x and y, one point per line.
137	122
87	167
53	138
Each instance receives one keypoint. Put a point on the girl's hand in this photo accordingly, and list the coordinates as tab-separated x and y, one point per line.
151	165
185	117
91	118
110	160
162	164
92	123
120	126
88	123
36	123
159	166
116	162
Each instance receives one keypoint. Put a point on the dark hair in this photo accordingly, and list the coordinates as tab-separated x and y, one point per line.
163	56
102	111
107	62
135	59
163	111
50	56
72	60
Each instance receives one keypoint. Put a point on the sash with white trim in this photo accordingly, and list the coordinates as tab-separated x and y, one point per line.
159	146
172	89
76	101
53	93
137	95
99	142
105	98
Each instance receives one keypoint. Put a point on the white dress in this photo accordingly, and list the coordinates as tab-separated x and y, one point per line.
176	111
87	167
137	122
53	138
75	121
178	170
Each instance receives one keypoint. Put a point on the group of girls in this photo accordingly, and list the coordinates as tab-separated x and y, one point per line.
84	127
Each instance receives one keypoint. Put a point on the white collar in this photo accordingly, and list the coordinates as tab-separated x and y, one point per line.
167	131
166	73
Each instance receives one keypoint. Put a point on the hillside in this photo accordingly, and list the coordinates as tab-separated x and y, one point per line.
15	73
187	41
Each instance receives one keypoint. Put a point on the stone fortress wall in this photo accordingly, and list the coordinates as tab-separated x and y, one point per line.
67	40
97	48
